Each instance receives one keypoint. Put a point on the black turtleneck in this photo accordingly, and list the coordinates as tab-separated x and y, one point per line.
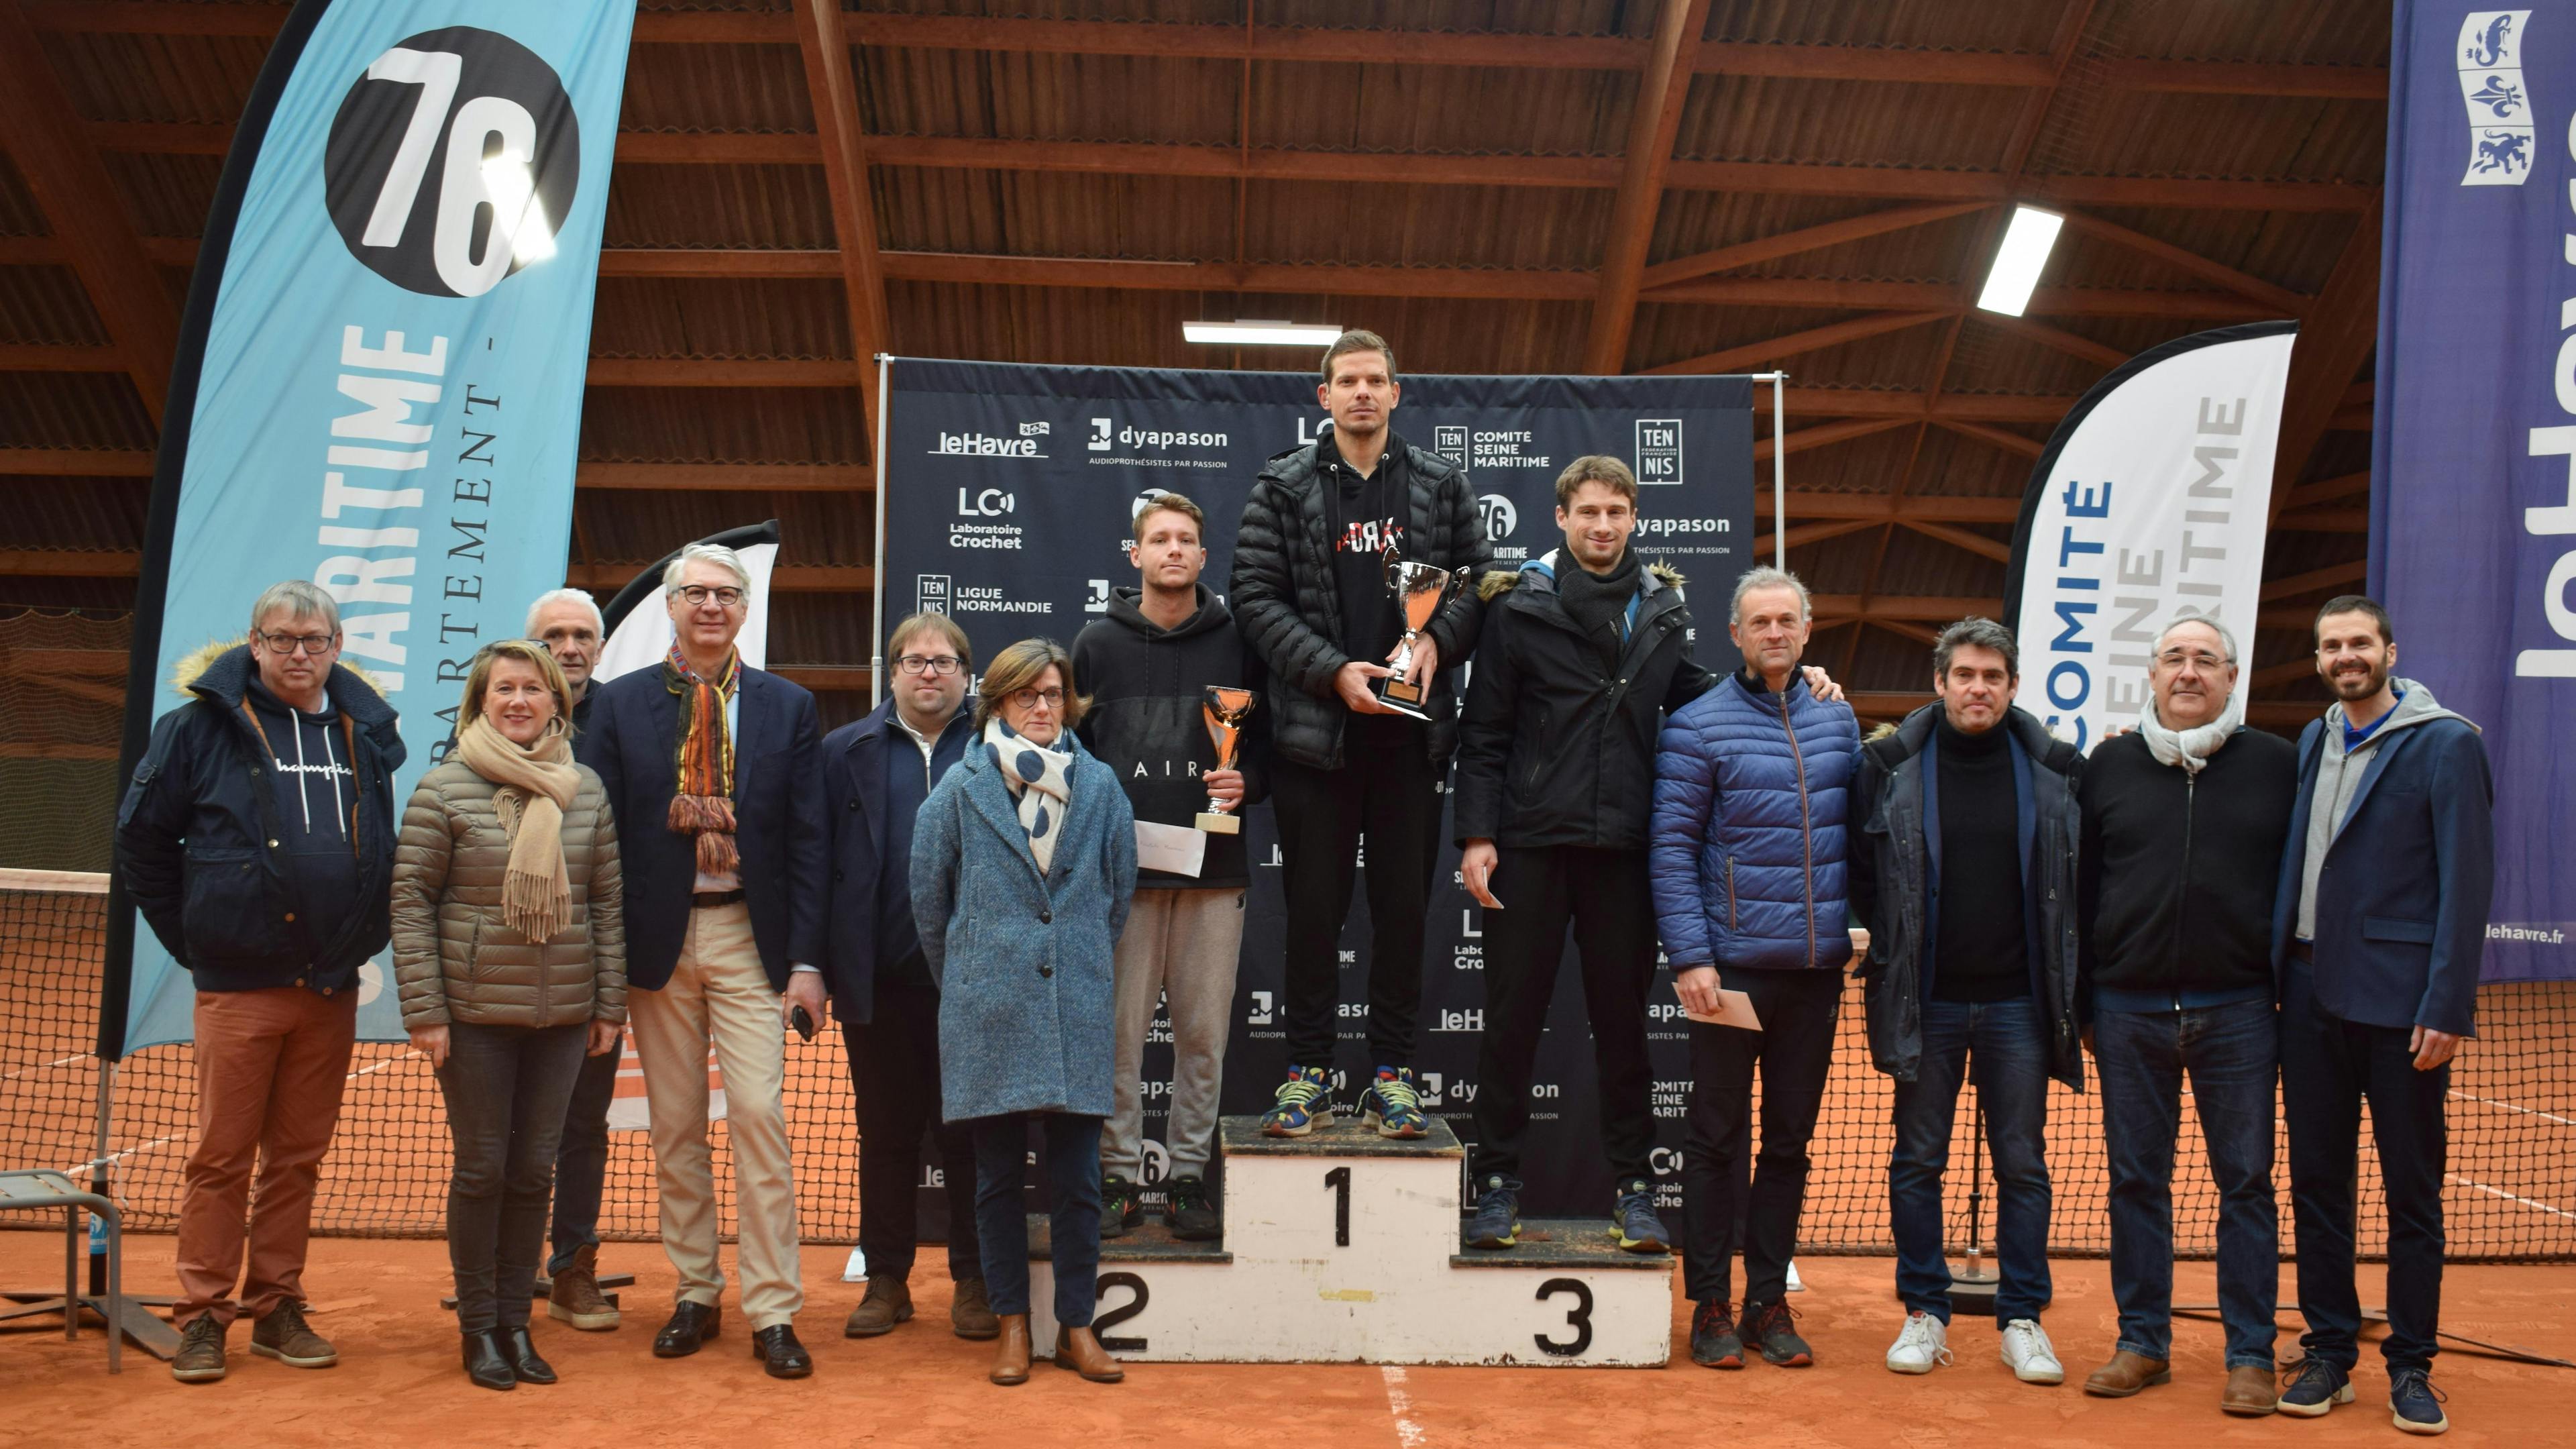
1979	950
1598	603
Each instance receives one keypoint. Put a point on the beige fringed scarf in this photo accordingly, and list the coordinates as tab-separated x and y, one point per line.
536	783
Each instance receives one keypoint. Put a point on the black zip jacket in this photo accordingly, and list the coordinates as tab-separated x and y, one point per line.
1553	749
2176	873
209	859
1892	885
1147	686
1290	613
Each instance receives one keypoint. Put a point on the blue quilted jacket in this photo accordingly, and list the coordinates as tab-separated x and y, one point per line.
1748	853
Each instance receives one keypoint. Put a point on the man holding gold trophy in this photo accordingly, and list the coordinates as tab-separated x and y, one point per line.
1343	570
1174	713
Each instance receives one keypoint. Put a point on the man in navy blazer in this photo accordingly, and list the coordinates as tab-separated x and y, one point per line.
2378	930
877	772
711	771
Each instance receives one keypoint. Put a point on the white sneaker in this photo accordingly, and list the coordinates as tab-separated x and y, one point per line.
1924	1342
2028	1353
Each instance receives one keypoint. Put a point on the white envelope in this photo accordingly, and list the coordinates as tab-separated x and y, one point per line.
1177	849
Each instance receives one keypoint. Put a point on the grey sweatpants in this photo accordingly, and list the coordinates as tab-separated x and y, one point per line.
1179	945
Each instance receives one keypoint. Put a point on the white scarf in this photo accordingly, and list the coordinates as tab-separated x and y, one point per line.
1036	777
2191	748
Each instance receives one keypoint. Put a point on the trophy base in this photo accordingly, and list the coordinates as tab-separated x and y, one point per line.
1215	824
1402	696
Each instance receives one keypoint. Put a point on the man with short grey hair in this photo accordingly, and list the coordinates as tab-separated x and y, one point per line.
711	766
1964	874
257	840
2175	886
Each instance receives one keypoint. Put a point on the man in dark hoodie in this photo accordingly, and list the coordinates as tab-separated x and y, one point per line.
1309	593
1146	669
2378	931
2174	889
257	840
1583	653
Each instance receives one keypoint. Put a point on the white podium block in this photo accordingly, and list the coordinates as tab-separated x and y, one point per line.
1344	1247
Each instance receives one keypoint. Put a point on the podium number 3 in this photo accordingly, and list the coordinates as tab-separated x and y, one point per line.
1578	1318
1339	1180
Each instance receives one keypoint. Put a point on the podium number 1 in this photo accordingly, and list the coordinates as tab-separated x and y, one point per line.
1339	1180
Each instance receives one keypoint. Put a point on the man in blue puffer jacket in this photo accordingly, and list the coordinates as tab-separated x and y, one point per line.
1748	859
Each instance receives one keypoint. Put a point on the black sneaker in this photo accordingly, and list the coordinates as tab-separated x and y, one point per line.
1769	1327
200	1359
1497	1220
2315	1387
1120	1207
1633	1224
2414	1405
1190	1211
1713	1340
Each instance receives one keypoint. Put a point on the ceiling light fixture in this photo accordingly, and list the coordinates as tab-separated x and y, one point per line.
2019	260
1261	333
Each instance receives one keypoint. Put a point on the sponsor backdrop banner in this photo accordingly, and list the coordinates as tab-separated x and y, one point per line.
381	373
2151	502
2473	466
1009	495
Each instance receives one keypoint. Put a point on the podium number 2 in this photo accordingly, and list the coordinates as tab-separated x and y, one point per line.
1119	1315
1578	1318
1339	1180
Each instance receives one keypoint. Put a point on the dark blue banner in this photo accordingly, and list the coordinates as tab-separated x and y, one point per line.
1009	493
2473	469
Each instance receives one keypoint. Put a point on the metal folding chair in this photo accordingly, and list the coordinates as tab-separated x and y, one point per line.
36	1189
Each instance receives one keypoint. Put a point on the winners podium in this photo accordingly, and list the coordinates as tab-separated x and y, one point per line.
1342	1247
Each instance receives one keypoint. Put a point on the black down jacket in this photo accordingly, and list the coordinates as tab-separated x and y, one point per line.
1553	749
1290	615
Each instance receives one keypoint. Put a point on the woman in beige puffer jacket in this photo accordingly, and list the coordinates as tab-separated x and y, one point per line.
510	962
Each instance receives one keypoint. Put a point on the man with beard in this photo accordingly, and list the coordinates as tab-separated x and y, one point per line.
2377	932
2174	892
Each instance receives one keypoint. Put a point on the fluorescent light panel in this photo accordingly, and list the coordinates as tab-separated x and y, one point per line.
2019	260
1262	334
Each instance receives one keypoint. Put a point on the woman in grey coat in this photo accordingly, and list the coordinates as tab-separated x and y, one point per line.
1022	862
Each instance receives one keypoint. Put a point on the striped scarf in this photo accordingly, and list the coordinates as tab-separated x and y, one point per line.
702	797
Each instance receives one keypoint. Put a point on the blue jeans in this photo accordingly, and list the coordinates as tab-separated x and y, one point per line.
1073	1193
2005	1045
2232	1054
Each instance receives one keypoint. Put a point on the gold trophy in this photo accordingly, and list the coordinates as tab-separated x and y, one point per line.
1225	710
1419	590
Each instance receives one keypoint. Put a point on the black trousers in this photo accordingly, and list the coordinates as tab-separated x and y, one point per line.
2329	1066
894	1067
506	1087
1603	894
1794	1050
581	1163
1387	791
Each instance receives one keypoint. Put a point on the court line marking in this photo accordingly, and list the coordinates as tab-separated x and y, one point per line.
2515	1107
2510	1197
1400	1404
46	1066
98	1162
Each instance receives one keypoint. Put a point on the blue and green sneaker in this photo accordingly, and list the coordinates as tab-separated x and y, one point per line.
1304	1104
1393	1105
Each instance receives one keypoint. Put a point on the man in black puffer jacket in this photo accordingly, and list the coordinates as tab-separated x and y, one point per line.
1310	598
1583	653
257	840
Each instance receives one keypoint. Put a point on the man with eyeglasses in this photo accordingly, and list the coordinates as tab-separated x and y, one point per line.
1147	668
257	840
711	769
2174	894
877	771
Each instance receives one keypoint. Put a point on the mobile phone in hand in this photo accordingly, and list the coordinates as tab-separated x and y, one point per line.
803	1020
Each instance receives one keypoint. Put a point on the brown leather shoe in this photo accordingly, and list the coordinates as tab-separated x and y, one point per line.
970	1313
1077	1349
888	1302
1011	1355
2251	1390
2127	1373
574	1297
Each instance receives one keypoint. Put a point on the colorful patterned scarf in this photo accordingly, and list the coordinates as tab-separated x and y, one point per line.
702	800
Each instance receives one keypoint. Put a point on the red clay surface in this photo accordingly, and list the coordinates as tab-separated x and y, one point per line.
399	1382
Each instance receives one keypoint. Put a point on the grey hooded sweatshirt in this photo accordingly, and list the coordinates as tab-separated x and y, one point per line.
2339	772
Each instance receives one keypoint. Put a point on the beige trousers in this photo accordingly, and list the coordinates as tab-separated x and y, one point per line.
718	995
